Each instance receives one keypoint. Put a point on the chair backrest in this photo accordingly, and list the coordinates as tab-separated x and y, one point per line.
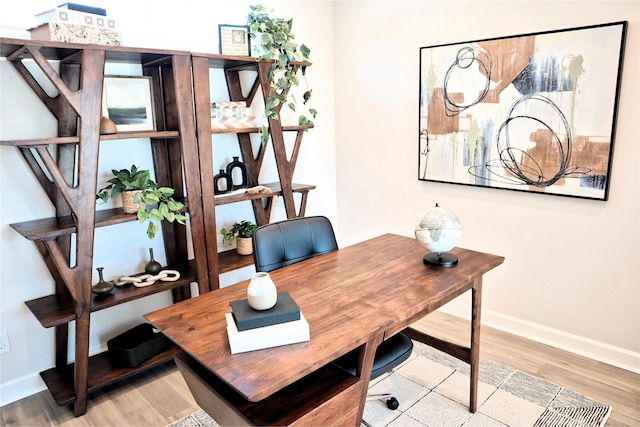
290	241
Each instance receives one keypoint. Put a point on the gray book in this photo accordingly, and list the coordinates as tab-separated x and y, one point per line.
285	310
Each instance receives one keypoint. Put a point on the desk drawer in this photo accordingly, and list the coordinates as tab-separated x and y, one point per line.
328	396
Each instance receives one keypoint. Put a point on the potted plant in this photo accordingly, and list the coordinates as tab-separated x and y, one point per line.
242	233
152	203
127	183
274	41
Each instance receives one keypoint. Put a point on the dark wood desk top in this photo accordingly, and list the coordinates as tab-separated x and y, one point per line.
378	286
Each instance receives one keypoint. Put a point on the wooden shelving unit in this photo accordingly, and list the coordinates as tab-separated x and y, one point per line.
253	159
65	166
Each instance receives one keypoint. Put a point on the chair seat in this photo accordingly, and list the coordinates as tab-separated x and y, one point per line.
389	354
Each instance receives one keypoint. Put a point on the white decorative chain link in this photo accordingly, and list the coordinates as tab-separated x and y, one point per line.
148	279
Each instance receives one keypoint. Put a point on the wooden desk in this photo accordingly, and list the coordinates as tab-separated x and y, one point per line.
354	297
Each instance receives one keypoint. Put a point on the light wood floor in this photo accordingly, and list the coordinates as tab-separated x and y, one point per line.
159	397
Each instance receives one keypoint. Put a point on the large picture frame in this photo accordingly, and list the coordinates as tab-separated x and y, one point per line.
128	102
533	112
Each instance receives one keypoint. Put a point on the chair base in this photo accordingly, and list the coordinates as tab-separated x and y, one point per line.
387	398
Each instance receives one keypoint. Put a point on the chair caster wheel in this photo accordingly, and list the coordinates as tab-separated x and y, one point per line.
392	403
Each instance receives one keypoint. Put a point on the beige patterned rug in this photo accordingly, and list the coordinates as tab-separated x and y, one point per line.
433	390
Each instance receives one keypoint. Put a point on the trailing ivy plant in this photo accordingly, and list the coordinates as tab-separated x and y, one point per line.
274	37
154	203
157	204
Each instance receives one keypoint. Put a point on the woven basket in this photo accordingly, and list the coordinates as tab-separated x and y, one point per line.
128	204
244	245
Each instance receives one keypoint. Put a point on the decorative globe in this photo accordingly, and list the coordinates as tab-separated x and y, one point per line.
439	231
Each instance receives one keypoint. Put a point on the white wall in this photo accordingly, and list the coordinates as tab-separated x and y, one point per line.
572	270
123	249
571	279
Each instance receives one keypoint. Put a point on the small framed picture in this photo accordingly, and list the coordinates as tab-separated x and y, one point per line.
128	102
234	40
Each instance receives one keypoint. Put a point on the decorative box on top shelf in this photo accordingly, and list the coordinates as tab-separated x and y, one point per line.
73	33
70	16
232	115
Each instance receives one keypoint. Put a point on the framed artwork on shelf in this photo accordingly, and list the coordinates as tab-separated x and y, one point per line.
234	40
533	112
128	102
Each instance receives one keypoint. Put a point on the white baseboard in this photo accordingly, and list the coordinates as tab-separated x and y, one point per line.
612	355
602	352
20	388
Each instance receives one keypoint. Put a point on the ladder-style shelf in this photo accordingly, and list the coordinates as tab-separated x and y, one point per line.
66	165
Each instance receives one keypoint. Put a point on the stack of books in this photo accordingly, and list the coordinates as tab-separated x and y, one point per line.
76	23
231	115
250	329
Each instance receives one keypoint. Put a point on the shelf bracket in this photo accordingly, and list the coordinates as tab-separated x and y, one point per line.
235	88
66	272
69	193
73	98
46	185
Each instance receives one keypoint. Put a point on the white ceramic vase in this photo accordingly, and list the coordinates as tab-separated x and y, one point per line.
261	292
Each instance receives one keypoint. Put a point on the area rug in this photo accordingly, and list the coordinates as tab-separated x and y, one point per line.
433	390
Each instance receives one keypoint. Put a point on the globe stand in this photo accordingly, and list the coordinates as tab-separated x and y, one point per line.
440	259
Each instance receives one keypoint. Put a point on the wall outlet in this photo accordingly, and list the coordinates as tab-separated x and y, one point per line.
4	342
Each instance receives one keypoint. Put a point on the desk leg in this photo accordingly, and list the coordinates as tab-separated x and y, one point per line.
365	365
476	302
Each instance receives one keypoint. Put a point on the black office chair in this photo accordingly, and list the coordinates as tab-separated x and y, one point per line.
287	242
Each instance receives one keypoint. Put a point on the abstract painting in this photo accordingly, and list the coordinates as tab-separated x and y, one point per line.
533	112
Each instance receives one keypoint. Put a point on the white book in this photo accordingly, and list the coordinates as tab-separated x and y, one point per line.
267	336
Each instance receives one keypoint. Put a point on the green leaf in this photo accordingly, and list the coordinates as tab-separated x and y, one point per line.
150	198
313	112
155	215
170	216
264	138
103	195
166	191
304	121
305	53
292	106
307	96
174	205
272	102
143	215
152	229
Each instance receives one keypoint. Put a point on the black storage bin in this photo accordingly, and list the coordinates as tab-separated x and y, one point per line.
135	346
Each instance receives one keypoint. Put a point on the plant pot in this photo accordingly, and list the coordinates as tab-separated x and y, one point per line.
244	245
128	203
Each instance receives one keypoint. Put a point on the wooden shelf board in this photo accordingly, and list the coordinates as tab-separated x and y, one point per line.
54	310
62	51
141	134
74	139
101	374
257	129
230	260
50	228
276	190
